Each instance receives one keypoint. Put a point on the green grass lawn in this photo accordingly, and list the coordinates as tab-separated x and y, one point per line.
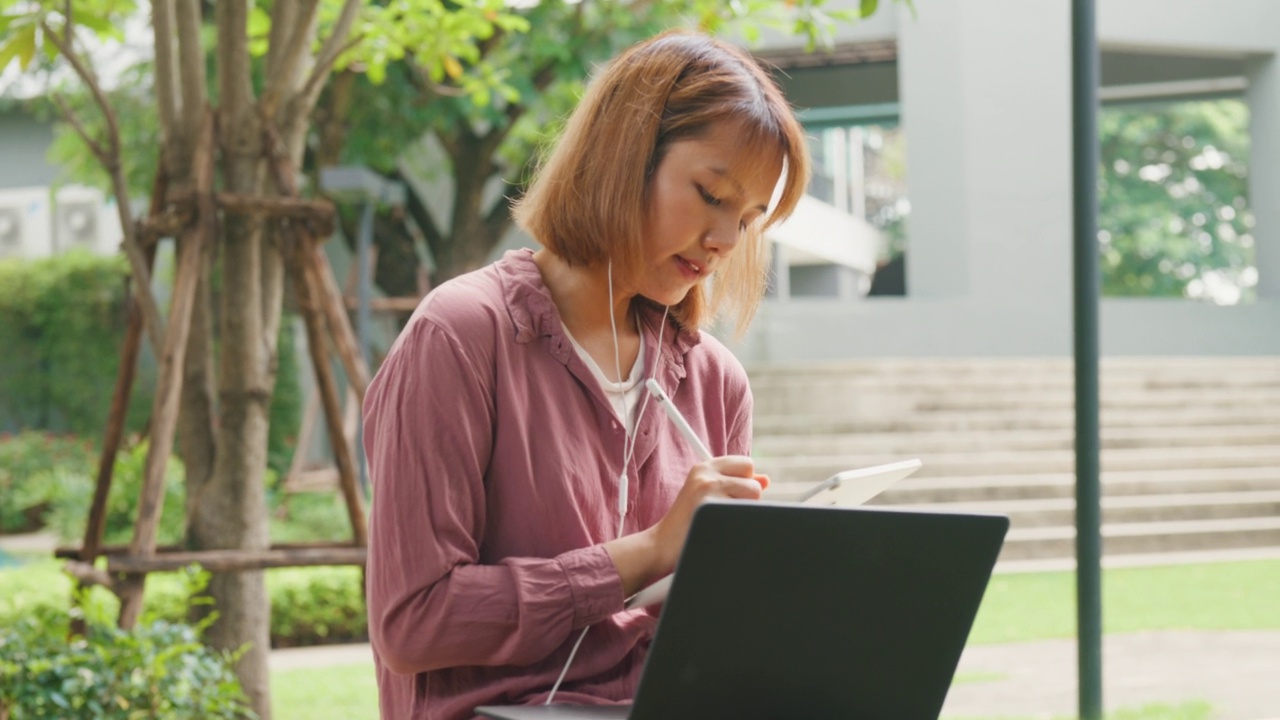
1016	608
1219	596
1159	711
342	692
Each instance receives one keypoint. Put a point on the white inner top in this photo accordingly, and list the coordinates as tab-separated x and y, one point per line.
627	391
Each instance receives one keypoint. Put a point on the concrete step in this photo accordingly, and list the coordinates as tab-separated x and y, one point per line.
1191	446
898	401
1116	560
1178	481
1124	509
845	421
1146	537
994	463
998	378
927	442
1217	369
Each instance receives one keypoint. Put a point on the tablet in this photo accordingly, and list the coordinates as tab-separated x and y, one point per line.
845	489
853	487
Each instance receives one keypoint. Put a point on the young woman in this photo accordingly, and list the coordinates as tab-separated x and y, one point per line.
525	486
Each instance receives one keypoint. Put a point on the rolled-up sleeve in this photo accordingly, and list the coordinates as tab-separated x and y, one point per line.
428	435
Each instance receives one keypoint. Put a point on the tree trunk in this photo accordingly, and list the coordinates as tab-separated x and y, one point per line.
232	512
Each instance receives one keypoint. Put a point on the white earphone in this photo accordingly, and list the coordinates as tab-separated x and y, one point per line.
628	449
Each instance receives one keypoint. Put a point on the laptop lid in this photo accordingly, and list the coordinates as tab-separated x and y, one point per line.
783	611
786	611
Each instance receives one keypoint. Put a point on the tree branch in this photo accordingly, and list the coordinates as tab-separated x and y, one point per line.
72	119
282	74
235	88
67	48
333	47
282	13
166	83
420	213
87	574
498	219
109	156
543	78
452	145
194	80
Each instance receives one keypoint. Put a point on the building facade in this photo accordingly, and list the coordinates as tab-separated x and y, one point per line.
982	91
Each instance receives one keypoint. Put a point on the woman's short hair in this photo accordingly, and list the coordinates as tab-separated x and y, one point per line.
587	203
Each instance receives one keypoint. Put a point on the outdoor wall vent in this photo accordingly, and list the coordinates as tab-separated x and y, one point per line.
25	223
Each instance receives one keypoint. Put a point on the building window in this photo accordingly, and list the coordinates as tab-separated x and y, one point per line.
859	170
1174	217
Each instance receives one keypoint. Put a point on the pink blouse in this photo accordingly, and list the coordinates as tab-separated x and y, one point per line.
495	458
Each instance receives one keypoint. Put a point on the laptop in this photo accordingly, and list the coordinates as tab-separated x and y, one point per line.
846	489
785	611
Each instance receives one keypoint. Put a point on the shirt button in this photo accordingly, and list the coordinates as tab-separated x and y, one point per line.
613	424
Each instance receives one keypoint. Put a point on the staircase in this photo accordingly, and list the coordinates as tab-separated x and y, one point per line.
1190	459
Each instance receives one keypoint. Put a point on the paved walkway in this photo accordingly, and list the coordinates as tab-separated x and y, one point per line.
1237	673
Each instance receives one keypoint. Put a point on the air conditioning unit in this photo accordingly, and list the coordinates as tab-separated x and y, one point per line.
25	223
83	219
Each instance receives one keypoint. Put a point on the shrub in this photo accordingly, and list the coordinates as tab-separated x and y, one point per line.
316	606
27	462
160	669
64	321
46	480
309	606
70	494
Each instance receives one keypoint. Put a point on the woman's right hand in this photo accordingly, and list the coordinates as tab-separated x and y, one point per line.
729	476
651	554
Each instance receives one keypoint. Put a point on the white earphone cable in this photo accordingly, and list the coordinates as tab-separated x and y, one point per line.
628	451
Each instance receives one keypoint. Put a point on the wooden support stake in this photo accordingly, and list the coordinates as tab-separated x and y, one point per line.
326	295
237	560
164	414
129	353
73	553
305	288
335	312
86	574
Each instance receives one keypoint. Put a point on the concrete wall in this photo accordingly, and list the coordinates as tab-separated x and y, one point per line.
984	93
24	142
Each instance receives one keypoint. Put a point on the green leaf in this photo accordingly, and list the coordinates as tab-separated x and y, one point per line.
24	47
7	52
869	7
101	25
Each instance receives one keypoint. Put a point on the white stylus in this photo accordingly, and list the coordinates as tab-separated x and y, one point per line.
681	424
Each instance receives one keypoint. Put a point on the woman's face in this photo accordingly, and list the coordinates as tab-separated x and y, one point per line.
701	197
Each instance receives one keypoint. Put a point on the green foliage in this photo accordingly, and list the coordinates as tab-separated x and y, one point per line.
64	323
314	606
544	71
1174	216
160	669
309	517
286	401
64	320
439	37
22	35
70	494
139	127
309	606
28	461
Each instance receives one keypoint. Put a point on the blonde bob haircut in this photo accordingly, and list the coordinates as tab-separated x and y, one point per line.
588	202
